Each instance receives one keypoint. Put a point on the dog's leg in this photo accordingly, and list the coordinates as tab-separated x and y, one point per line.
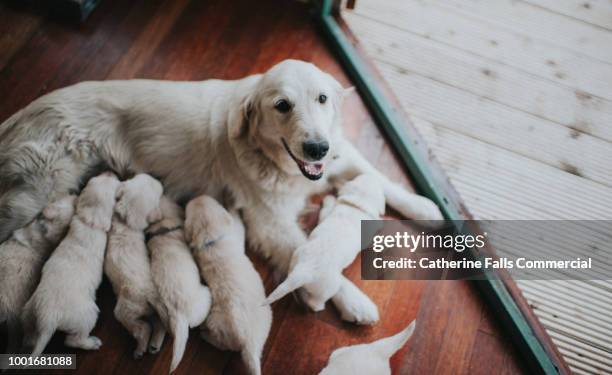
354	305
351	163
128	314
273	235
83	341
158	335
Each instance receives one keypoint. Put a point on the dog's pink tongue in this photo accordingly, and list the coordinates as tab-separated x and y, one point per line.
314	168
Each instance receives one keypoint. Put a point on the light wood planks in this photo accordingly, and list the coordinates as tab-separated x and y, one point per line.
515	100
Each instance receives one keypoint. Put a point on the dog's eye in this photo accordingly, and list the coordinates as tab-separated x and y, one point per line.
282	106
322	98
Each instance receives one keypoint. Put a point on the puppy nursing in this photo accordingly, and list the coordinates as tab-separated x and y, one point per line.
127	262
367	359
22	257
176	276
316	267
65	297
237	319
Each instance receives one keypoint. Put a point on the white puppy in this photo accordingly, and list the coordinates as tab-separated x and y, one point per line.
316	267
237	320
176	277
367	359
65	299
127	263
22	257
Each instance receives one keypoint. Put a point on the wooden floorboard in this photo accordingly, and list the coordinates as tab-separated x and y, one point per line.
514	99
190	40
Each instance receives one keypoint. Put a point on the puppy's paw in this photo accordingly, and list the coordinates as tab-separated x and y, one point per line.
96	343
363	313
425	209
138	354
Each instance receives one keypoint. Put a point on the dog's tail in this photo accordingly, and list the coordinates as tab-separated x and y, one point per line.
251	359
180	331
388	346
42	339
297	278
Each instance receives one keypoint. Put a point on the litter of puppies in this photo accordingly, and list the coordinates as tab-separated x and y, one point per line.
173	269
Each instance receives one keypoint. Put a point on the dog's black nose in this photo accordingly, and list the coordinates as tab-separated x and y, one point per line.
315	150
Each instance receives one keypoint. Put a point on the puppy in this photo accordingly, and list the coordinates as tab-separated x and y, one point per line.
237	320
316	267
127	262
367	359
65	299
22	258
175	274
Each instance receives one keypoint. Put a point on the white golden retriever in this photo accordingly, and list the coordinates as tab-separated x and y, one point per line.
65	299
367	359
316	267
22	257
238	321
176	276
127	263
269	139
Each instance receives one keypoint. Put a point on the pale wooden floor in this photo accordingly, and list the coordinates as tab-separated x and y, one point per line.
515	100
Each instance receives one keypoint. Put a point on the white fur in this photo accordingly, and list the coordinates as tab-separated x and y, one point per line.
198	138
21	259
367	359
238	321
65	299
176	276
127	264
316	267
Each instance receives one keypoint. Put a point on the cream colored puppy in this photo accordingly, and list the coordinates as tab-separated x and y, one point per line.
65	299
176	277
367	359
21	259
316	267
127	263
238	321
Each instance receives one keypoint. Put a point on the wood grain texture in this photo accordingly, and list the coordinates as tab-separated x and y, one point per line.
198	40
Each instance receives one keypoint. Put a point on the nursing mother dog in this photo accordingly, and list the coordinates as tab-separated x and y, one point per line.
269	140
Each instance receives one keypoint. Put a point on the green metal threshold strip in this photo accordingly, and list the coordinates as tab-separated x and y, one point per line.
494	291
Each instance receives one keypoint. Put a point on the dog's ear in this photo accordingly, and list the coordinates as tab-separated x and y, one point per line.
348	91
154	216
244	119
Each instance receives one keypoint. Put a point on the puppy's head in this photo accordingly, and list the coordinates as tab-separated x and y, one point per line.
57	216
138	201
293	115
365	192
205	221
96	202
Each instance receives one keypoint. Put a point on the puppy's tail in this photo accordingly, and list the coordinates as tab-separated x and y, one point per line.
44	335
388	346
180	330
251	361
297	278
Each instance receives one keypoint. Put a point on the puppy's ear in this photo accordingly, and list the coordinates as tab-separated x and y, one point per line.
348	91
154	216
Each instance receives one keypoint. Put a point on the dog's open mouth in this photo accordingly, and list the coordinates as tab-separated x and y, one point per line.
312	171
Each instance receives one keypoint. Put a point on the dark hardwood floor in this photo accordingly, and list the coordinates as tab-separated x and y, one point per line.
194	40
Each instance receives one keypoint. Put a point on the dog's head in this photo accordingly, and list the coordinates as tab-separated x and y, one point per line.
138	201
293	115
205	221
96	202
364	191
57	216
